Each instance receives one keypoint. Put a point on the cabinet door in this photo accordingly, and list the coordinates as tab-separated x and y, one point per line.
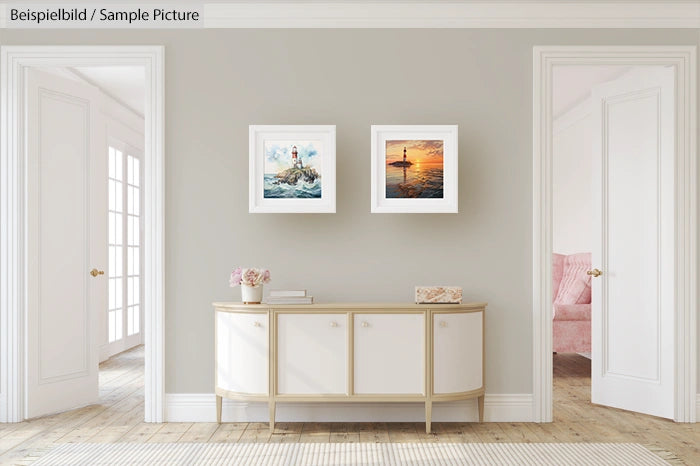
389	353
242	352
311	353
457	352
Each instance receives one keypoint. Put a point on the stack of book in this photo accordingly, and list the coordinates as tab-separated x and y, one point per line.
289	297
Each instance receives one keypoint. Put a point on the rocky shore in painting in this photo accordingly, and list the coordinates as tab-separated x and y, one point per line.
400	163
296	183
292	175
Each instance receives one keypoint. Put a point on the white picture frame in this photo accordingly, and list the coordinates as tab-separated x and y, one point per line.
388	196
271	187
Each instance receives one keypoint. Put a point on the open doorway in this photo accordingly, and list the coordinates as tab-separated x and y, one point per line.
613	235
85	143
572	228
643	230
85	124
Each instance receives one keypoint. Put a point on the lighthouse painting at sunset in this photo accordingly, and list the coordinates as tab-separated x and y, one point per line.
414	169
292	169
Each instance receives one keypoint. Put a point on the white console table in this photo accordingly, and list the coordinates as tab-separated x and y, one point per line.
349	352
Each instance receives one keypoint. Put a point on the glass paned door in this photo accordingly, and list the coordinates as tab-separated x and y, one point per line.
133	217
125	225
116	245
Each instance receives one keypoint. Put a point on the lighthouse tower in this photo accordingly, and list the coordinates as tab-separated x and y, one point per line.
296	162
404	156
294	156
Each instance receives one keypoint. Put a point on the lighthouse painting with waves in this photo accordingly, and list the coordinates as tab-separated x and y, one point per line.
292	169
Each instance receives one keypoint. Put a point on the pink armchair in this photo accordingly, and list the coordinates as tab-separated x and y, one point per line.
571	288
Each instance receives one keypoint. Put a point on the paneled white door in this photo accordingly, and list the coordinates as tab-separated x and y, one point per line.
633	244
67	224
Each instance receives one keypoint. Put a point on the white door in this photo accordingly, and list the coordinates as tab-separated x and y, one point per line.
66	230
125	230
389	353
633	244
312	353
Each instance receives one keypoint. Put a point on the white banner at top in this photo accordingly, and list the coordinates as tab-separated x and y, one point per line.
559	14
101	16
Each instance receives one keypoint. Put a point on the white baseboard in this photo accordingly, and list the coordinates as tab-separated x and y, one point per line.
201	407
697	408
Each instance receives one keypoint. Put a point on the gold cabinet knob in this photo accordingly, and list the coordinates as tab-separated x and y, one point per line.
334	324
256	324
443	323
95	272
365	324
595	273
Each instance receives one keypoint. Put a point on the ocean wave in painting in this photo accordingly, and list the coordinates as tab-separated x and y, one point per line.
273	189
417	181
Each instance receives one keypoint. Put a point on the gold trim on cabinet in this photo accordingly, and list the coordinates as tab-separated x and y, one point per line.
369	307
241	396
476	393
350	310
483	366
272	368
219	401
458	396
351	354
428	368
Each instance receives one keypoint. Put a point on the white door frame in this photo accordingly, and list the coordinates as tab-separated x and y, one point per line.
13	216
683	58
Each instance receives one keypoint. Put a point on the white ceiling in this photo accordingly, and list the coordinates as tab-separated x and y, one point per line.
572	84
124	83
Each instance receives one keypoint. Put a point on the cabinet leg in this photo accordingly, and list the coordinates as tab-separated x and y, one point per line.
218	409
428	415
271	405
481	408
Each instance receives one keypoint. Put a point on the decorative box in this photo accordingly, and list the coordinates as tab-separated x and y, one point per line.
439	294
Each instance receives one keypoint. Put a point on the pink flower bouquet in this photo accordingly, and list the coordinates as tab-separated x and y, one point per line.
249	276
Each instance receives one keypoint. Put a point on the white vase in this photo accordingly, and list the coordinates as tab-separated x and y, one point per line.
251	294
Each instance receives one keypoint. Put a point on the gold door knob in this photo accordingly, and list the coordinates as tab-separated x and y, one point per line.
95	272
595	273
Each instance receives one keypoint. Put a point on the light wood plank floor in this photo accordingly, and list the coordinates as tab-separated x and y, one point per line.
118	418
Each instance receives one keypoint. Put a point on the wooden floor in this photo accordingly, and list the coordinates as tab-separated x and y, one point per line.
118	418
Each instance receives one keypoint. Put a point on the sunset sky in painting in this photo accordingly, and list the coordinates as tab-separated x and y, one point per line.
417	151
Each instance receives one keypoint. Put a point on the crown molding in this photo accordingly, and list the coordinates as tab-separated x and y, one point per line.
461	14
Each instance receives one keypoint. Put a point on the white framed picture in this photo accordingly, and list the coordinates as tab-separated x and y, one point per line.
414	169
292	169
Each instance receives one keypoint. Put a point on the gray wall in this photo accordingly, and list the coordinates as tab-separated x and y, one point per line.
220	81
